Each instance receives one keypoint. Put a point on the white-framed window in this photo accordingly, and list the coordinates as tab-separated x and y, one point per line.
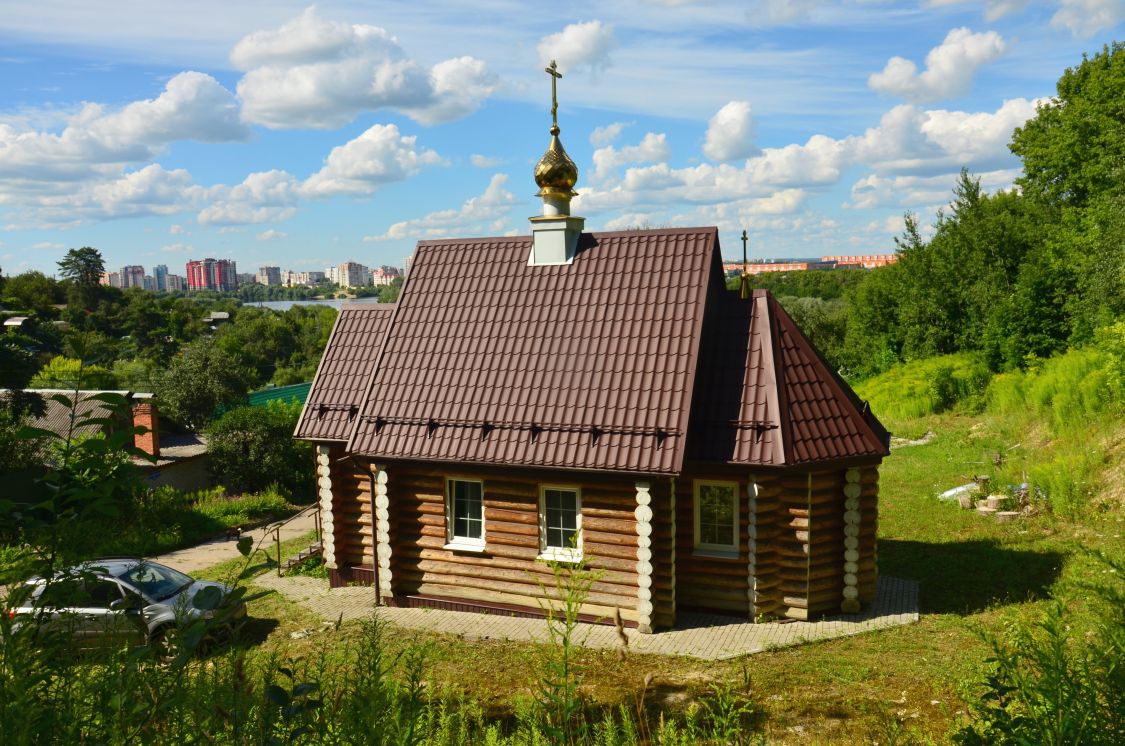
560	523
716	517
464	514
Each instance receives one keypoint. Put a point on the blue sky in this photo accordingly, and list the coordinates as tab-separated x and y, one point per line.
302	136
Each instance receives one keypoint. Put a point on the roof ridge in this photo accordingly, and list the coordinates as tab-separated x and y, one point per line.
461	241
779	392
716	265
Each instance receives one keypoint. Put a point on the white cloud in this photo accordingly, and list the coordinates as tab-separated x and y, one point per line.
784	11
602	136
176	229
262	197
484	161
908	141
48	245
730	133
152	190
316	73
357	168
874	191
177	248
377	157
652	147
994	10
193	106
271	235
485	213
579	45
1087	17
950	67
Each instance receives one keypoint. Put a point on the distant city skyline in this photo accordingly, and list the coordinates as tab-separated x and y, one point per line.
308	136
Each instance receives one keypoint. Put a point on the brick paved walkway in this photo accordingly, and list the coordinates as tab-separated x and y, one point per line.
710	637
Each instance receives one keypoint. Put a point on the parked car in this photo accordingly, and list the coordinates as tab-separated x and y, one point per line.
117	600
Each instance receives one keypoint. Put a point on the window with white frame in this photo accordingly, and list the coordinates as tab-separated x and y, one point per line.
464	513
560	523
716	517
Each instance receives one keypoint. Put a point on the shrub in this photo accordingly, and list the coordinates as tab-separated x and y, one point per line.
925	387
252	448
1048	684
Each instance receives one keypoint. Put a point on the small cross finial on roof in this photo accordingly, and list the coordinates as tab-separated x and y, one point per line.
744	290
553	71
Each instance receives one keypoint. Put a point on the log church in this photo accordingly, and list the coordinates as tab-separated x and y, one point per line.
592	399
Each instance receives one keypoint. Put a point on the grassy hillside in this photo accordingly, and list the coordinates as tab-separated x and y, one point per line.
1057	424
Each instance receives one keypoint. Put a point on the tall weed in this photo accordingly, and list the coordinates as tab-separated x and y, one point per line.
1048	684
925	387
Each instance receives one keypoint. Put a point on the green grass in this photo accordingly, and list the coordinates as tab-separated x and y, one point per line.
912	683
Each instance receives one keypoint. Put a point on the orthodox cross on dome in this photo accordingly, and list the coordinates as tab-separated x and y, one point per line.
553	71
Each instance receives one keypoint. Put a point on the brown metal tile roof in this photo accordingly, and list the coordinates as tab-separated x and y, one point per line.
341	379
742	415
589	365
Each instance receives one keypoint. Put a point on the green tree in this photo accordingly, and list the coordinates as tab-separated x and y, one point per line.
83	267
71	374
198	381
253	447
824	322
1074	148
33	291
873	337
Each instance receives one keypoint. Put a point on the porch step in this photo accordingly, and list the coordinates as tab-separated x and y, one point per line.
314	550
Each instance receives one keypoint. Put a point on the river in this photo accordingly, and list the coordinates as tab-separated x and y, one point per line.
285	305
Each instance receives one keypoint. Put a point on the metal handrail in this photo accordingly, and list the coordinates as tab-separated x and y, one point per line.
276	529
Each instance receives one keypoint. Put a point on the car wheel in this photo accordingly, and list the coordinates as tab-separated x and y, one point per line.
161	643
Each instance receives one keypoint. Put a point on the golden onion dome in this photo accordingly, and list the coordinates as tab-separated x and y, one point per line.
555	173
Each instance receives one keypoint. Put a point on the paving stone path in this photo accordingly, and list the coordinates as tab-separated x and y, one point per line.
212	553
706	636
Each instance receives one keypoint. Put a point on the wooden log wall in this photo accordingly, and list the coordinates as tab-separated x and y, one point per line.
866	565
703	582
353	534
508	572
804	550
769	519
663	554
812	549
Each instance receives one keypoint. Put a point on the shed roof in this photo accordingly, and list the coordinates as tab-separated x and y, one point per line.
295	392
337	390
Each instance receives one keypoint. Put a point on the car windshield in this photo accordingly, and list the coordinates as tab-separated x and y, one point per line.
155	581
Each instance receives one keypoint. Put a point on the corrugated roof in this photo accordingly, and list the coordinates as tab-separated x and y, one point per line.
341	379
595	365
297	392
589	365
744	417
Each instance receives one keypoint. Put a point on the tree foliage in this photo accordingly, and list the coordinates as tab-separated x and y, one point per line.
252	448
1073	150
198	381
83	266
71	374
1017	275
